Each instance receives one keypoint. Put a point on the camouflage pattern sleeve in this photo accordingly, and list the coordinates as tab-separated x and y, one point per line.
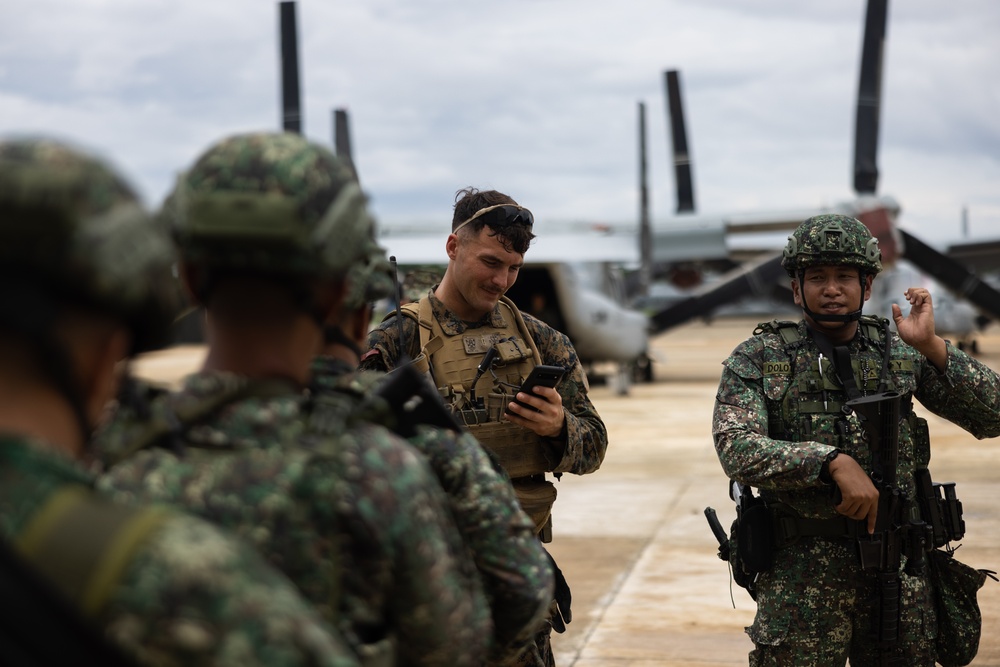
192	596
967	393
383	344
515	568
739	429
586	437
404	557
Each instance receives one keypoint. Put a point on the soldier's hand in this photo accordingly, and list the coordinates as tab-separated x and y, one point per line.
917	328
859	495
547	421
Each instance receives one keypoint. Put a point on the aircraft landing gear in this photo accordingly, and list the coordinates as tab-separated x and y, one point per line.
623	379
642	369
972	346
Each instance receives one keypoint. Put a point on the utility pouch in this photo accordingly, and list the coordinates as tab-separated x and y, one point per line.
940	508
755	536
960	623
749	547
536	497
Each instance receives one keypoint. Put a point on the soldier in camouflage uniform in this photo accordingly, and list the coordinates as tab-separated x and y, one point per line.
468	314
514	566
267	226
779	426
86	283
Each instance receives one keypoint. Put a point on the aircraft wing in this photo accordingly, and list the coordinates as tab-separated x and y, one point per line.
951	273
979	256
757	278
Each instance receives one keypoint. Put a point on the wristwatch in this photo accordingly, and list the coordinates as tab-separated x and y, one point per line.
824	472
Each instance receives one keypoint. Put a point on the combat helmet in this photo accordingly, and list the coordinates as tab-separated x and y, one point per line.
831	239
836	240
73	234
72	231
270	203
369	279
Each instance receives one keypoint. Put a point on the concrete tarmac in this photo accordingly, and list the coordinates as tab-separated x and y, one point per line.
632	539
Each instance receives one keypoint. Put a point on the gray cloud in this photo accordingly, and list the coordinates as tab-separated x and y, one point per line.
537	98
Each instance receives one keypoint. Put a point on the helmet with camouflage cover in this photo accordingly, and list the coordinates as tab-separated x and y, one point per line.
370	279
832	240
72	232
270	203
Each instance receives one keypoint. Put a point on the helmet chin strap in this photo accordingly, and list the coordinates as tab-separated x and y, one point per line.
852	316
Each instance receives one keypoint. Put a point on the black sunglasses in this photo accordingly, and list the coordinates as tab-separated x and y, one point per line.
501	213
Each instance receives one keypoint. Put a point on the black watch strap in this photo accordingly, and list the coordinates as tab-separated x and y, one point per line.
824	472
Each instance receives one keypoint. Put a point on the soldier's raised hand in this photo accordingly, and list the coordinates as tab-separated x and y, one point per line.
917	328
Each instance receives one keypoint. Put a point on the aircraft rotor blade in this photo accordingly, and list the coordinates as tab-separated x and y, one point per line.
951	274
754	279
342	139
866	123
678	136
291	106
645	228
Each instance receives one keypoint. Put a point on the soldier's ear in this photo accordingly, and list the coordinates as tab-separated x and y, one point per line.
451	246
868	286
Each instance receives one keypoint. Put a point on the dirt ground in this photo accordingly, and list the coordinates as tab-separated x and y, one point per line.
632	540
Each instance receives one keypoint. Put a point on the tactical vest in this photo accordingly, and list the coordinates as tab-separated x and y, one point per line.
452	362
806	397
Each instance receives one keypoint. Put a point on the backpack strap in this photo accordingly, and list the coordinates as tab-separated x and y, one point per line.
82	544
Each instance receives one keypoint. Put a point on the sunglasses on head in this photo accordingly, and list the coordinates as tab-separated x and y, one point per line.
501	213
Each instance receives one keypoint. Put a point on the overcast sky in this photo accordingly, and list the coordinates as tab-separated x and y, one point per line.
537	98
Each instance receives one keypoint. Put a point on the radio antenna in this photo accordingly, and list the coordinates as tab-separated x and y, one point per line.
398	289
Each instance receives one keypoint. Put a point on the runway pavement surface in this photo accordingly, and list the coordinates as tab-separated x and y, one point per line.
632	540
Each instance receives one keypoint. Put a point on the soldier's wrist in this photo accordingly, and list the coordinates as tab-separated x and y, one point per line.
824	472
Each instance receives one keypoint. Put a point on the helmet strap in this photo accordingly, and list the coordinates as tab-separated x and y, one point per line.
852	316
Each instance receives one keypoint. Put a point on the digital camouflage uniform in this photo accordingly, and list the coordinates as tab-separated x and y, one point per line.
71	232
513	564
584	439
189	595
776	420
355	517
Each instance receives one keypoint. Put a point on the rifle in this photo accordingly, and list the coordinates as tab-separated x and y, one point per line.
410	397
897	524
412	401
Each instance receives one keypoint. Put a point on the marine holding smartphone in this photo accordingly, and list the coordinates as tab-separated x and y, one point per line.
479	349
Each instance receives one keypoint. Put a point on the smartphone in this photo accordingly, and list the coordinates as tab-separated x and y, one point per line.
541	376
